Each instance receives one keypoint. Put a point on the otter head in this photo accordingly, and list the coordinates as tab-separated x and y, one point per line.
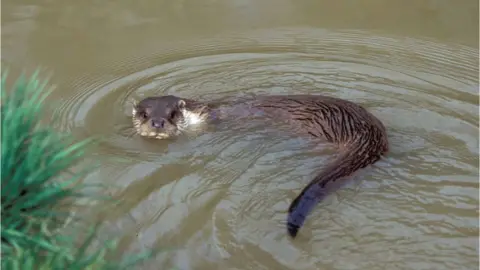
159	117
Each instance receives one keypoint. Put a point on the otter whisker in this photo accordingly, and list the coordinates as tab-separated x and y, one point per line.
133	102
131	133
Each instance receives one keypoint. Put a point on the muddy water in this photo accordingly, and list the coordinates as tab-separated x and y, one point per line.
219	200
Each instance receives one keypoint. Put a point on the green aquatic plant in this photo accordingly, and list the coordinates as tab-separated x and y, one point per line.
38	186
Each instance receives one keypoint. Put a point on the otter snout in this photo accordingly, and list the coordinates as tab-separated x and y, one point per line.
157	123
161	125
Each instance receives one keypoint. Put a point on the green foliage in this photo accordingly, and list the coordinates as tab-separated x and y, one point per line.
36	185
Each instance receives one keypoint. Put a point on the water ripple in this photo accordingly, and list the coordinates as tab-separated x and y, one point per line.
226	192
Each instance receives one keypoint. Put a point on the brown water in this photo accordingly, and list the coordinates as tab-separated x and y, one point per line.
219	200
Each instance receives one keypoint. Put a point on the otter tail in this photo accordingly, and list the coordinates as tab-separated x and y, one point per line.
344	165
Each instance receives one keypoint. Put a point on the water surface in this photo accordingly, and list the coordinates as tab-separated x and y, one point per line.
218	200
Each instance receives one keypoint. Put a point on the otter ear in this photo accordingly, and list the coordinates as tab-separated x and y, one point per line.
181	103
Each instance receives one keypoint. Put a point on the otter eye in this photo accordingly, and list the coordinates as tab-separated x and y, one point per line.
173	114
143	115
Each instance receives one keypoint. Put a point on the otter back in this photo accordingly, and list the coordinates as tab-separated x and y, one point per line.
361	138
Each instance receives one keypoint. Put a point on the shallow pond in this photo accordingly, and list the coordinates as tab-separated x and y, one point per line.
219	200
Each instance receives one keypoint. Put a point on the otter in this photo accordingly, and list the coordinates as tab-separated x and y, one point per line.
360	136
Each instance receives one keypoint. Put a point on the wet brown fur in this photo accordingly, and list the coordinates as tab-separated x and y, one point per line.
361	138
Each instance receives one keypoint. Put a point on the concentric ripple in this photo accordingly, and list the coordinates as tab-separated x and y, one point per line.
226	192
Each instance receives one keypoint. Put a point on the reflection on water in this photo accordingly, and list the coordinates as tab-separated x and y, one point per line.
220	199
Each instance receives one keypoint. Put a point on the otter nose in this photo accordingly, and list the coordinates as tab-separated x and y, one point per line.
157	123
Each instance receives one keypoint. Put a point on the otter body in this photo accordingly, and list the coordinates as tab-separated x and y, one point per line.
361	137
